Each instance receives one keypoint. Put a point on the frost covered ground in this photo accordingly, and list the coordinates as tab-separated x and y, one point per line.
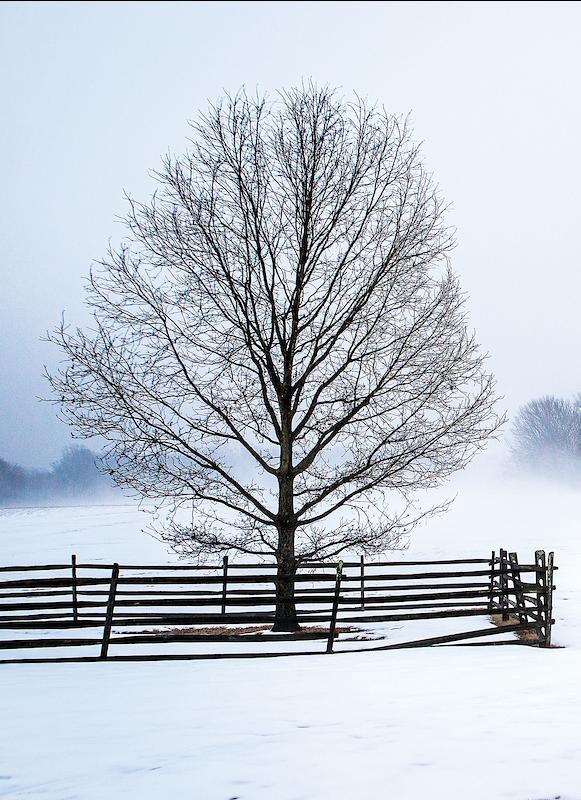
430	724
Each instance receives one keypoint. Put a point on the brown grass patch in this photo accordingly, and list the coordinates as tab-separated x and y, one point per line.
530	637
224	630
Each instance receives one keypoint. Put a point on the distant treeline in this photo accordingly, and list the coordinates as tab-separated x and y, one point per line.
74	475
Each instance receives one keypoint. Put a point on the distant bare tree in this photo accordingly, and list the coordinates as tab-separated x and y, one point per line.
76	473
546	435
279	346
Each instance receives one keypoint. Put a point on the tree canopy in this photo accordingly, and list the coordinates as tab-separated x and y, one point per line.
280	346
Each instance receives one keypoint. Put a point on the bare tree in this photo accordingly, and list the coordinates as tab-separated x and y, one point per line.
546	435
279	346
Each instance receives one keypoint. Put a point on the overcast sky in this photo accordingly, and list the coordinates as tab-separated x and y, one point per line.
92	94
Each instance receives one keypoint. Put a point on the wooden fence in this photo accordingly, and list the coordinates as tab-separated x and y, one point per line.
101	610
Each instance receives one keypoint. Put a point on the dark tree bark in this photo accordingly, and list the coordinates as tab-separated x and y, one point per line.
286	612
286	615
279	356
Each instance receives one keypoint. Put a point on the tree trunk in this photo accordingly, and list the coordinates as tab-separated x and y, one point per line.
286	613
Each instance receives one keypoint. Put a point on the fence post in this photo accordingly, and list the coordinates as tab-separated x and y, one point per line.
224	583
362	570
541	582
110	610
333	622
74	587
491	594
504	585
549	598
517	583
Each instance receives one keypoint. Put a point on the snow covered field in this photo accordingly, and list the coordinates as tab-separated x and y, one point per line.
440	723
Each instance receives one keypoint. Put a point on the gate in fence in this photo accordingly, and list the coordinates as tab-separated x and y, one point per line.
87	612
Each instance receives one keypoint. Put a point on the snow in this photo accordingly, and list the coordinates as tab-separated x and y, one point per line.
438	723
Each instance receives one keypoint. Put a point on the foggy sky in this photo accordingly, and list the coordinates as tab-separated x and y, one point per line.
93	94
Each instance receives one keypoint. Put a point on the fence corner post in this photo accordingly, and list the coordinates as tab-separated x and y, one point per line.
541	592
110	611
333	623
549	599
518	590
504	585
492	587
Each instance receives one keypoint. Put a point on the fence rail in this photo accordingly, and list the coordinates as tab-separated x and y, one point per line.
134	606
